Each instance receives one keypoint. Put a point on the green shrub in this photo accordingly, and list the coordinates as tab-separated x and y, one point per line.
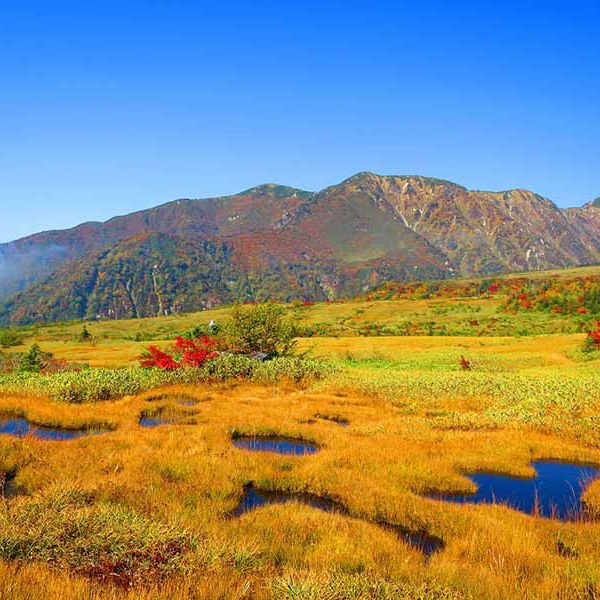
208	330
93	385
298	370
258	328
229	366
34	360
85	335
9	337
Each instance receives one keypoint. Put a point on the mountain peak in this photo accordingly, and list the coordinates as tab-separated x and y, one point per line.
593	203
274	189
366	176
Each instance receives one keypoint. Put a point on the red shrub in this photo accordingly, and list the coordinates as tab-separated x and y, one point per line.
184	352
183	344
154	357
594	336
197	352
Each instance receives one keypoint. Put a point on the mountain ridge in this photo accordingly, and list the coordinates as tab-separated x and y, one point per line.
284	242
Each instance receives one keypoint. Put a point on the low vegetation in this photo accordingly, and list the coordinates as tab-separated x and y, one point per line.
145	512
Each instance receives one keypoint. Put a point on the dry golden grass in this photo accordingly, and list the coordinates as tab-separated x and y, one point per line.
110	354
189	476
540	350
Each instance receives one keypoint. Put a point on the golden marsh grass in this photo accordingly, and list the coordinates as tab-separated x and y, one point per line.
189	477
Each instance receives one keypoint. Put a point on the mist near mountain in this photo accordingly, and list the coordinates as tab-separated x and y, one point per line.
21	267
283	243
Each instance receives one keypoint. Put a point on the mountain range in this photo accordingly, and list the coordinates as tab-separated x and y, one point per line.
284	243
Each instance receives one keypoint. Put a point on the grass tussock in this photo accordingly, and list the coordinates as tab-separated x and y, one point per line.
66	528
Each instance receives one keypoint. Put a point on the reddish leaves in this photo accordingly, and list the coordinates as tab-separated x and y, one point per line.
154	357
464	363
197	352
184	352
593	338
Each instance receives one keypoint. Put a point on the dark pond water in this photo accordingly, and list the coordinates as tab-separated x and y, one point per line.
20	427
554	493
334	419
280	445
159	418
8	488
164	417
255	498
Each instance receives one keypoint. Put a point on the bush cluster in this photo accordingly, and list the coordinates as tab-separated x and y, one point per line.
252	334
592	339
258	328
9	337
94	384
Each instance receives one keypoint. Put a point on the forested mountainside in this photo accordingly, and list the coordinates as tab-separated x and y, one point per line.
284	243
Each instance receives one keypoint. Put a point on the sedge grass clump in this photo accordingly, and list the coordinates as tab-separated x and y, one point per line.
309	586
69	530
295	369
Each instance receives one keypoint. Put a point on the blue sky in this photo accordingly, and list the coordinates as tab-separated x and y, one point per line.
110	107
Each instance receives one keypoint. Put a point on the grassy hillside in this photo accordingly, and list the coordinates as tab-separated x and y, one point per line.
458	308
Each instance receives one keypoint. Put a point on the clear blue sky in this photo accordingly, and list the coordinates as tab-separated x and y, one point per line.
113	106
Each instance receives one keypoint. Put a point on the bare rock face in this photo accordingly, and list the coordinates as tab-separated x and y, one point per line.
279	242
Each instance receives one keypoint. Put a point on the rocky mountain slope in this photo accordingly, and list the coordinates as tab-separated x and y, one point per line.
279	242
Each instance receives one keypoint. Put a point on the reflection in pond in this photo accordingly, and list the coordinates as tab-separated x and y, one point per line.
159	417
154	421
20	427
255	498
166	415
181	399
280	445
554	493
